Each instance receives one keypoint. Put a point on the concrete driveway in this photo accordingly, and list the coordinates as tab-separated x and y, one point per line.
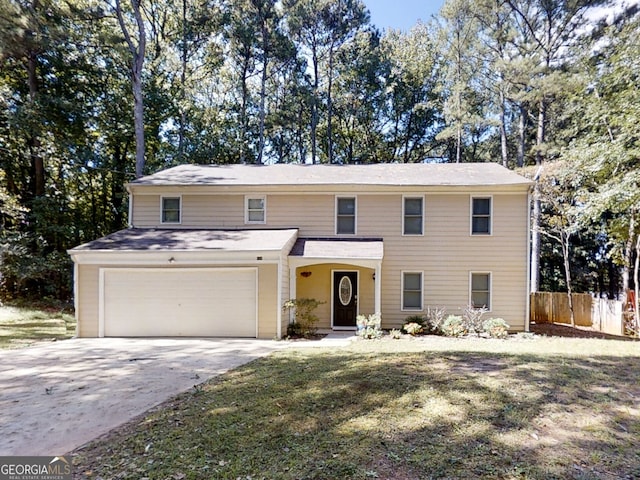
58	396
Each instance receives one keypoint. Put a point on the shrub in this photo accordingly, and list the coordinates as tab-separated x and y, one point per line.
305	320
369	326
496	327
294	330
472	319
419	319
434	318
454	326
413	328
395	334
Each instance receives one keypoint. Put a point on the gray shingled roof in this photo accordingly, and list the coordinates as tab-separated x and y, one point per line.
400	174
348	248
179	239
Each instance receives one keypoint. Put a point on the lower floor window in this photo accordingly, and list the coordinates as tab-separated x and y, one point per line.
481	290
412	291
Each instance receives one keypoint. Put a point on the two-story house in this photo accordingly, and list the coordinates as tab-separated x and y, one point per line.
216	250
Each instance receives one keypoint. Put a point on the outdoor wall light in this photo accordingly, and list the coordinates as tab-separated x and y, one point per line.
374	277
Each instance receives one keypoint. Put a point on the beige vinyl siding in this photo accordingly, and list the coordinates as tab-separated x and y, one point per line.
146	211
267	301
88	300
446	252
312	214
198	211
285	285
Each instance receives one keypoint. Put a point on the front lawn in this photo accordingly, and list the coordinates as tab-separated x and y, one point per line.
541	408
21	326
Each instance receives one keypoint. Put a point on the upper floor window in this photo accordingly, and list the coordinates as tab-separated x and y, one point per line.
346	215
255	209
481	290
481	216
411	290
170	210
413	213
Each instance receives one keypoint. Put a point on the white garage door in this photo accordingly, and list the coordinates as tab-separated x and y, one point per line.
145	302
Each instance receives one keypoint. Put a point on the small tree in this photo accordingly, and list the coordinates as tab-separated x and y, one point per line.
562	216
305	323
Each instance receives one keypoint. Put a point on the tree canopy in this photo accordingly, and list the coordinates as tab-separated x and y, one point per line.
96	92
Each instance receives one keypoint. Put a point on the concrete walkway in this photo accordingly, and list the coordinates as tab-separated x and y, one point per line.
56	397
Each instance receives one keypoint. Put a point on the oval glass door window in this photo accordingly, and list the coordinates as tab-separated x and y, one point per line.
346	290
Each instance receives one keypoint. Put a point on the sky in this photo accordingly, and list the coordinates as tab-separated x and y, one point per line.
401	14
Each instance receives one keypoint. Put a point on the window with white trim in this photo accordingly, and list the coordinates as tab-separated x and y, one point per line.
481	216
255	209
170	209
346	215
480	290
412	291
413	216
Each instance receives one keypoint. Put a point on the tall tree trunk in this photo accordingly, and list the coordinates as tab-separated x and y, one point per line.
183	87
407	137
244	118
300	134
636	287
535	240
522	135
537	207
330	108
37	162
314	108
564	240
541	130
263	92
628	253
138	118
137	64
459	143
503	131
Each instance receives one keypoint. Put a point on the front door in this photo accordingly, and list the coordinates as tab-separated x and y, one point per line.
345	299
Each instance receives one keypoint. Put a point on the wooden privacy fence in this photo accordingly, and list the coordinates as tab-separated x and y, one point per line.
601	314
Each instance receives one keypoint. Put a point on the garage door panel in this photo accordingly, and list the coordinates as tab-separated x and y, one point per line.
180	302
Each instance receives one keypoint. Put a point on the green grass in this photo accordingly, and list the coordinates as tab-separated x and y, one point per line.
397	409
21	326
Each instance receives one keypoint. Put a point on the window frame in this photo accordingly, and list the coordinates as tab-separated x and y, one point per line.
403	308
355	214
404	215
472	216
162	209
489	292
247	210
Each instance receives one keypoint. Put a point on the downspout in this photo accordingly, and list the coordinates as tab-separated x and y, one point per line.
378	288
130	214
76	302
